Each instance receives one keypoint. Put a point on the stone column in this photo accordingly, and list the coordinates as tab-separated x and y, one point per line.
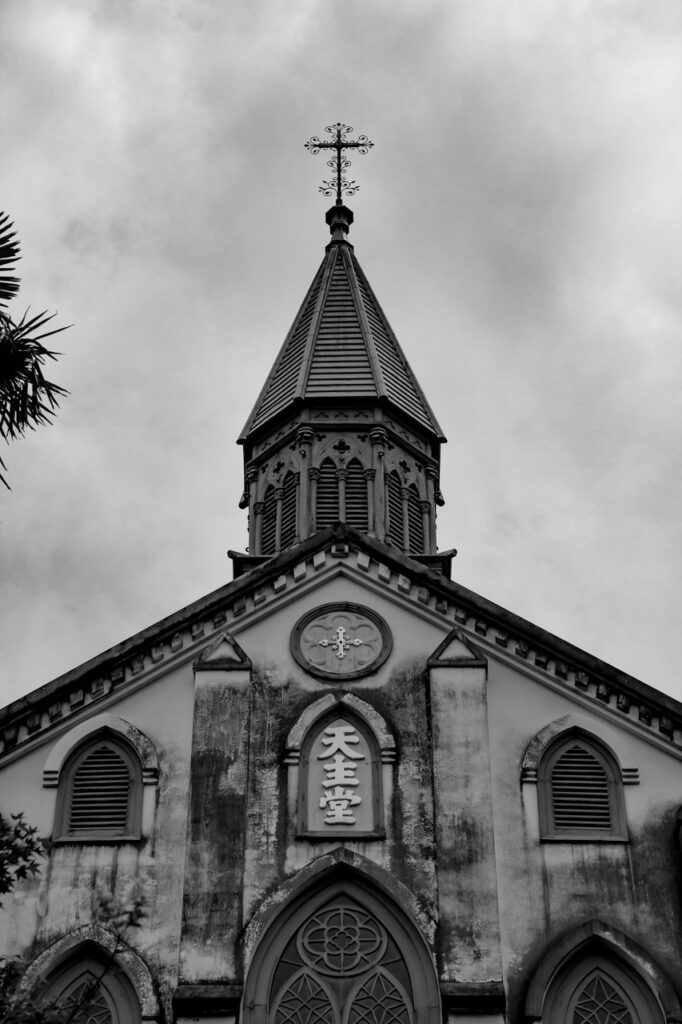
378	439
342	476
258	507
431	477
304	441
214	866
313	476
471	956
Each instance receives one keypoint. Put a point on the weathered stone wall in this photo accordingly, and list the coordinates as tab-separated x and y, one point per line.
547	888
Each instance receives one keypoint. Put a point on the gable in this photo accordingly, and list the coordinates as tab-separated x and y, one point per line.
341	565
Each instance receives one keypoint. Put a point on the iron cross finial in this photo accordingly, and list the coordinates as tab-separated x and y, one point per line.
339	163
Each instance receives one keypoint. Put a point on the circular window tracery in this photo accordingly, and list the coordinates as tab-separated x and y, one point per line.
341	642
342	941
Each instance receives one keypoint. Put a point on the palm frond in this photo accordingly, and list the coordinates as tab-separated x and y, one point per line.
9	254
27	398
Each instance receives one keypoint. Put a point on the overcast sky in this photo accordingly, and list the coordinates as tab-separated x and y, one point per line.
518	218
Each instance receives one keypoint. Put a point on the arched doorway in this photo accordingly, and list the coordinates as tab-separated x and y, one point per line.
342	953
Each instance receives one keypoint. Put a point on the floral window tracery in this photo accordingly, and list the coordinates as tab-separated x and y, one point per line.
341	965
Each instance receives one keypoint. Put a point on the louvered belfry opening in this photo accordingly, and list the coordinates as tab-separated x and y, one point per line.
396	520
269	522
100	792
356	496
415	520
288	528
580	793
327	503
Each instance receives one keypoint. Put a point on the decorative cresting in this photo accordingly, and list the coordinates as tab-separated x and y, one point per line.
339	163
345	956
341	642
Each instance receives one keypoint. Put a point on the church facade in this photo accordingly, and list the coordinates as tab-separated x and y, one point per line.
347	789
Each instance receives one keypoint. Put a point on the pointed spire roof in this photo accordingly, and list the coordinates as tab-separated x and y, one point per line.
341	345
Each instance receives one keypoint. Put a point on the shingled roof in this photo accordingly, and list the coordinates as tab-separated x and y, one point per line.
341	346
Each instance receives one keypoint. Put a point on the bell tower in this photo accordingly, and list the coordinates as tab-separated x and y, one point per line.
341	430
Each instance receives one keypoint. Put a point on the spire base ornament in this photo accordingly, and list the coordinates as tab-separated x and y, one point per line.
339	218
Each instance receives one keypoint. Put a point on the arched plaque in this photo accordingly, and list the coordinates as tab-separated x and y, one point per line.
340	642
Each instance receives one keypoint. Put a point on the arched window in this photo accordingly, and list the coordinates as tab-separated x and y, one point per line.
100	792
394	507
599	990
268	534
327	502
580	791
344	955
415	519
288	527
91	990
356	496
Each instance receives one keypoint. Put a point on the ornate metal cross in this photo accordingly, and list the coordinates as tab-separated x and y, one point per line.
341	643
339	162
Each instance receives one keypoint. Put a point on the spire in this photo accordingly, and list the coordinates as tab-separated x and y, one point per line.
341	429
341	346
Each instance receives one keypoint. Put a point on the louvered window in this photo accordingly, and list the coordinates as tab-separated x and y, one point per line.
99	793
268	531
580	791
327	504
288	511
356	496
394	504
415	520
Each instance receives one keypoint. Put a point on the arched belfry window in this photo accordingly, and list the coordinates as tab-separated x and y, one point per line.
327	501
340	785
580	791
599	990
356	496
343	956
100	792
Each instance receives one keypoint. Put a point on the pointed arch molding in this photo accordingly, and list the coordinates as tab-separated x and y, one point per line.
361	708
350	874
579	724
102	723
95	939
597	937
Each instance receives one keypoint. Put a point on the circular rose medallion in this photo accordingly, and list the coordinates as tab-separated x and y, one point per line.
341	641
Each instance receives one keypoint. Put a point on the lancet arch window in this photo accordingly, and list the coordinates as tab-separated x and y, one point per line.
100	792
90	990
279	511
599	990
344	956
580	791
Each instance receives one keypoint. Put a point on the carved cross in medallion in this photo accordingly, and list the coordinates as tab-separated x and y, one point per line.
340	643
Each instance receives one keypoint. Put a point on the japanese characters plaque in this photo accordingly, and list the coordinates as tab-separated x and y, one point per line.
339	784
340	642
